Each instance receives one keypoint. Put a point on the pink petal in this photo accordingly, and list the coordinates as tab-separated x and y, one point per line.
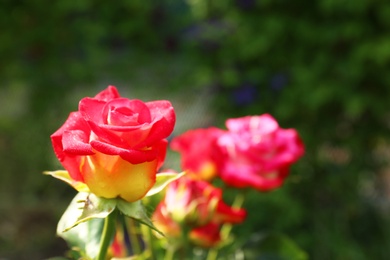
163	118
108	94
76	142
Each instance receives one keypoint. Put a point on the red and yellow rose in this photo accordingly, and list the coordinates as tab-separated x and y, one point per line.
115	145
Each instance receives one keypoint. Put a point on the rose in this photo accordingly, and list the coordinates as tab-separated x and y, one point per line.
163	222
115	145
205	236
196	203
197	149
195	206
256	152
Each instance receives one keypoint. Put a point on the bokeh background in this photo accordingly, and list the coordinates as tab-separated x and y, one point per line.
322	67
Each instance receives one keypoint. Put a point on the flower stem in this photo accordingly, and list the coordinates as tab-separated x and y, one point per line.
134	240
185	247
148	236
212	254
170	251
107	235
226	228
237	203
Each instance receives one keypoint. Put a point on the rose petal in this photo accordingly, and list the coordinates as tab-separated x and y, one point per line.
108	94
249	178
76	142
164	223
197	149
207	235
161	149
96	113
91	109
110	177
126	108
132	156
227	214
70	162
263	124
163	121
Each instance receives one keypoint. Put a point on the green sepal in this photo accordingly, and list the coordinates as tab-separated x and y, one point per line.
65	177
82	222
137	211
162	180
85	237
91	207
95	207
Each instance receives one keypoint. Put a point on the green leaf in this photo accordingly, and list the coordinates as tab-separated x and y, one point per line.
137	211
274	246
84	237
162	180
64	176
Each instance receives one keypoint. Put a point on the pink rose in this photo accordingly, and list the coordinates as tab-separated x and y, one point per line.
256	152
115	145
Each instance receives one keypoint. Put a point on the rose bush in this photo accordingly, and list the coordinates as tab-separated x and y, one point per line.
115	145
255	152
112	148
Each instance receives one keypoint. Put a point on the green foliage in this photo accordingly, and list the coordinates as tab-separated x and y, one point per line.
318	66
273	246
81	225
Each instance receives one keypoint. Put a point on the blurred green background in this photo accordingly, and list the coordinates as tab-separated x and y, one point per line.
322	67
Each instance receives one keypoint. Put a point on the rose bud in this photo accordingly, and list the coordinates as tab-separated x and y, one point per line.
205	236
164	223
196	203
115	145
